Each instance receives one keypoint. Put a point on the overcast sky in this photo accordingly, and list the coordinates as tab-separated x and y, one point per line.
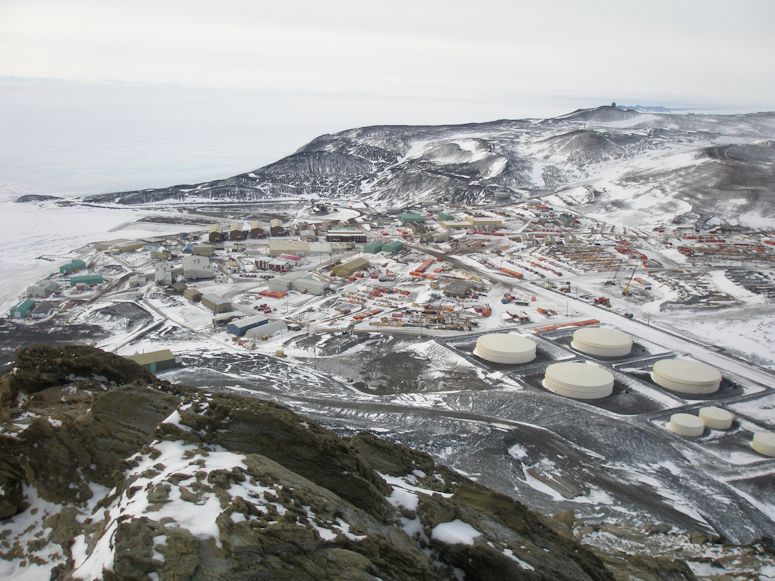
658	51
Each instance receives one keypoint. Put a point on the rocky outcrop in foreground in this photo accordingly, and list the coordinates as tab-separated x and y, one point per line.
107	472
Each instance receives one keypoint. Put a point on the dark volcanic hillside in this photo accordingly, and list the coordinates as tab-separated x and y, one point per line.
626	154
117	475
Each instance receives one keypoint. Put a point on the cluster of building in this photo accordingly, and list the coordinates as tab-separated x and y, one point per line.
70	275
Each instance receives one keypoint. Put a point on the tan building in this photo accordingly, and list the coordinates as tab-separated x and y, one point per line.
216	304
455	225
286	246
202	250
155	361
192	294
215	234
347	269
129	247
484	222
237	231
276	227
256	230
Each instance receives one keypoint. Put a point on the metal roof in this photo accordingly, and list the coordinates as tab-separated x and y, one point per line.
152	357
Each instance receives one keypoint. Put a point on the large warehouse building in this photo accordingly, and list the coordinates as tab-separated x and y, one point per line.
242	326
309	285
266	331
347	269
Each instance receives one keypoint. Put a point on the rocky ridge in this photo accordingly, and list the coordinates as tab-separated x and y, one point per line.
701	166
108	472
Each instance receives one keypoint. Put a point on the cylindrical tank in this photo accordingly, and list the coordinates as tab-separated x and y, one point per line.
764	443
602	342
579	380
686	376
716	418
686	425
505	348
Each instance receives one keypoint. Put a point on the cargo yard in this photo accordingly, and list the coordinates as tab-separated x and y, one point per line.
461	313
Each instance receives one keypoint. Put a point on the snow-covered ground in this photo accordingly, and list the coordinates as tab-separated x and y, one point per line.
32	230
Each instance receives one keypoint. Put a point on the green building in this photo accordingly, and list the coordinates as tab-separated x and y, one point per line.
444	217
373	247
23	309
408	218
90	279
73	266
393	247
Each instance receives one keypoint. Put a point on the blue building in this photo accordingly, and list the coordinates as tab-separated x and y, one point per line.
242	326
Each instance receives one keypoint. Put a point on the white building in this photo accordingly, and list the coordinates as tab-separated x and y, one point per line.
284	282
162	272
309	285
267	330
197	267
42	289
136	280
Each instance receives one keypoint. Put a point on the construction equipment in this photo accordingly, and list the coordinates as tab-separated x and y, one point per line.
612	280
626	289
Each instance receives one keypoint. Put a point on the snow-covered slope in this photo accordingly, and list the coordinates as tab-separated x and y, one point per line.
642	165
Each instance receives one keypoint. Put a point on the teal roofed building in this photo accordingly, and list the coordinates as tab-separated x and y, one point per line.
73	266
444	217
393	247
408	218
21	310
373	247
90	279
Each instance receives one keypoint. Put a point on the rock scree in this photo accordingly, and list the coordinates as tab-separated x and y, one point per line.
107	472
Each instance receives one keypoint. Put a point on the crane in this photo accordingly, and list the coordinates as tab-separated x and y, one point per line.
612	280
626	289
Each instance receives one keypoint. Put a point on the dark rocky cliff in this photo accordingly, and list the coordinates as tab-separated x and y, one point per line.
107	472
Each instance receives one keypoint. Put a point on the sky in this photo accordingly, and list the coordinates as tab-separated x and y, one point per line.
699	53
109	95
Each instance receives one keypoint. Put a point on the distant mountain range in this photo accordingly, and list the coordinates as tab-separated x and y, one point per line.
648	108
630	166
